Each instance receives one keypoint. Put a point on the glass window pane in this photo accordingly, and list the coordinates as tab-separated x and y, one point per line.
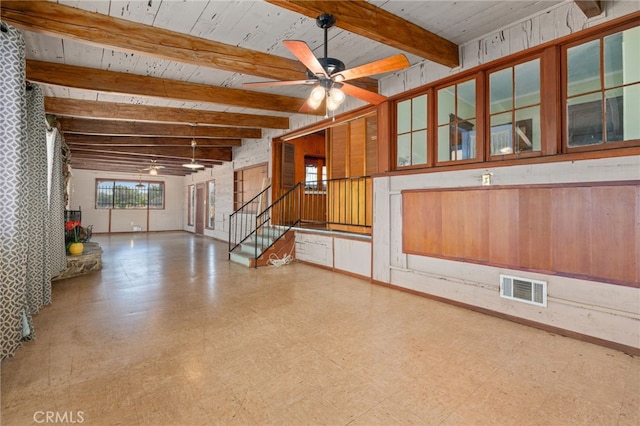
501	91
211	205
446	104
501	134
614	108
584	120
467	100
444	151
404	116
527	130
621	59
527	83
419	113
613	60
623	109
404	150
466	147
583	68
419	147
311	173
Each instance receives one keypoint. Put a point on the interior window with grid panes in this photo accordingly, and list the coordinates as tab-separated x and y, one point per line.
514	109
411	131
457	122
603	90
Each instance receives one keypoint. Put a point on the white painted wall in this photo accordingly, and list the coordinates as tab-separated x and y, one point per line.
82	195
606	311
609	312
223	177
558	21
350	254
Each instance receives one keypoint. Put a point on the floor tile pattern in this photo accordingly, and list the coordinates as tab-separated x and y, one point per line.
171	333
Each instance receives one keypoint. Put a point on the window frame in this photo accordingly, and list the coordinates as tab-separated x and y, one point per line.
429	143
542	105
191	201
480	95
208	223
564	112
147	183
553	119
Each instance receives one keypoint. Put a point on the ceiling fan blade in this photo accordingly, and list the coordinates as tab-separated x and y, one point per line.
365	95
301	50
392	63
278	83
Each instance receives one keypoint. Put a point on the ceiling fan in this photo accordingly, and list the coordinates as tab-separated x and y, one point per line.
329	75
153	168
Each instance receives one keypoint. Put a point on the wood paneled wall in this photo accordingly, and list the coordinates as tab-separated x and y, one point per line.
587	230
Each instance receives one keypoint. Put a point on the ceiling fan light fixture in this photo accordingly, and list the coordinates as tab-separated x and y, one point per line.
335	98
193	165
140	185
337	95
153	172
316	97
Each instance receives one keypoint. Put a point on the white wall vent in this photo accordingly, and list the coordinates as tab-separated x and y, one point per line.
523	290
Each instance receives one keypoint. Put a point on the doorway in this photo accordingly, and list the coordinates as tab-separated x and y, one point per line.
200	205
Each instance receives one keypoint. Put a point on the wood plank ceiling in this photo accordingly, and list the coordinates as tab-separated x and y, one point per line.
134	82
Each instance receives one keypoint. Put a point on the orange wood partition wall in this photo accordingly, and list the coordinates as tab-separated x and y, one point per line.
588	230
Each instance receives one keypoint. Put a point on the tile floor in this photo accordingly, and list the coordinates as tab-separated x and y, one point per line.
171	333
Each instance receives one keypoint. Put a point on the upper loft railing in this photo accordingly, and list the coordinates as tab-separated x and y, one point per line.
343	204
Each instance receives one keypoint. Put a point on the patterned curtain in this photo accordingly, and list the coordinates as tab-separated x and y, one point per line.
38	279
56	247
13	203
26	220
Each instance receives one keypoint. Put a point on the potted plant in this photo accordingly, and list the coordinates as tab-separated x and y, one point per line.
74	247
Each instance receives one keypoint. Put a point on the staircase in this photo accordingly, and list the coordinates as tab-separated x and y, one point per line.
270	243
253	239
259	231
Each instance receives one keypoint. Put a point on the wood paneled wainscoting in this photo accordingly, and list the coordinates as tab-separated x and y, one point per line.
586	230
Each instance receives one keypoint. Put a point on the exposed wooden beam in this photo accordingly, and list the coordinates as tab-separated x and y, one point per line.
119	34
140	161
131	128
217	154
118	111
125	168
78	139
52	73
590	8
367	20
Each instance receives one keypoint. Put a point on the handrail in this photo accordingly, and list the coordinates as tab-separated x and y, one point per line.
288	203
238	233
340	201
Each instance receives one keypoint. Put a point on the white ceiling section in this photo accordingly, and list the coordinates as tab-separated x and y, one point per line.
259	26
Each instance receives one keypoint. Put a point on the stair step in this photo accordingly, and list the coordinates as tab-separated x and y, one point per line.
263	241
249	248
245	254
242	258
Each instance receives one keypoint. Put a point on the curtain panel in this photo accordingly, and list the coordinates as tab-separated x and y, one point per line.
31	219
56	246
13	203
38	280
